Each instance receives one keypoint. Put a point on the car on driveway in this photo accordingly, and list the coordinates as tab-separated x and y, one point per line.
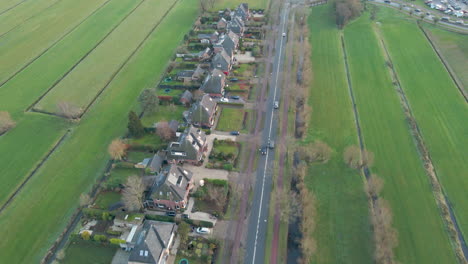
235	133
203	230
171	213
185	216
225	100
235	97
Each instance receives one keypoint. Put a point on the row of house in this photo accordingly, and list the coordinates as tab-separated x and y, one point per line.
172	183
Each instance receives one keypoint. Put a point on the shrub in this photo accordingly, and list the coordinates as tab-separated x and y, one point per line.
95	213
100	238
113	233
163	218
216	182
85	235
116	241
227	167
106	216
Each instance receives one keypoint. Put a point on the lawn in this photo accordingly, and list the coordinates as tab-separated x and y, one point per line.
222	4
118	176
440	110
88	252
386	133
137	156
343	232
231	119
21	13
7	4
60	58
38	34
89	77
149	139
106	199
454	48
50	198
164	113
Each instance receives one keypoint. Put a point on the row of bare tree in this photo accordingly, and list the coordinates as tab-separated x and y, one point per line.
347	10
6	122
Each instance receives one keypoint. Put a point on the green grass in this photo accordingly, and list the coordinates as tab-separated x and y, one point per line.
89	77
6	4
222	4
386	133
118	176
23	147
39	33
106	199
51	196
343	231
438	107
231	119
148	139
163	113
454	48
23	12
226	148
137	156
88	252
171	92
35	81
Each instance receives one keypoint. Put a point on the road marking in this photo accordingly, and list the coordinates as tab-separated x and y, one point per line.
269	134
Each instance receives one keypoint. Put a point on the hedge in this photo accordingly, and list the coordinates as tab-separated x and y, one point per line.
165	218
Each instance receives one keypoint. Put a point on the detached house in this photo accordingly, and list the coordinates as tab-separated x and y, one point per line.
216	81
237	26
170	189
202	112
186	98
243	11
221	62
204	55
151	242
229	42
189	147
222	24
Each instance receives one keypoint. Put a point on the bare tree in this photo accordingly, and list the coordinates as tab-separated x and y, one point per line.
320	151
374	186
68	110
133	193
164	131
386	237
6	122
60	254
85	199
352	157
217	195
149	101
204	5
290	206
346	10
117	149
367	158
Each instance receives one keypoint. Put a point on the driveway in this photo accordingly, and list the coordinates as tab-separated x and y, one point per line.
245	58
200	216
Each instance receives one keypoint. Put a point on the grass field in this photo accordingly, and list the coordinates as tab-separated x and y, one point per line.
36	35
164	113
231	119
222	4
50	197
343	231
88	252
106	199
438	106
454	48
90	76
7	4
386	133
18	15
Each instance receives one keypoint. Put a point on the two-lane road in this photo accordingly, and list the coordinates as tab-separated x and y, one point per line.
257	227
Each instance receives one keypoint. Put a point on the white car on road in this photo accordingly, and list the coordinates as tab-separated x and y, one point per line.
284	34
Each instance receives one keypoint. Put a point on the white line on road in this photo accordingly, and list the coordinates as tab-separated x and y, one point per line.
269	134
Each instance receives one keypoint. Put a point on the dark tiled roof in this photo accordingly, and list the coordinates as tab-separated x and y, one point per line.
150	242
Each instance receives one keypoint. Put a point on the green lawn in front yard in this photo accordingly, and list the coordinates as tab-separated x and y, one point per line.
231	119
88	252
106	199
163	113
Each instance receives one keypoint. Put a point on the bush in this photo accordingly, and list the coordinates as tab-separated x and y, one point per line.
125	165
216	182
227	167
113	233
100	238
85	235
163	218
95	213
106	216
116	241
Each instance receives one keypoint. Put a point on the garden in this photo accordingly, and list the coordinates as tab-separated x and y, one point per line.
198	250
232	119
223	155
212	197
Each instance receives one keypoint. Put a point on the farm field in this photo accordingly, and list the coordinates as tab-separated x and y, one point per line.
21	13
38	34
438	106
221	4
454	48
50	197
386	133
343	232
90	76
7	4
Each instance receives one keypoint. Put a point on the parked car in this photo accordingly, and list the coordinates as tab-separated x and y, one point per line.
271	144
445	19
263	150
417	10
235	133
387	1
235	97
225	100
171	213
276	105
234	80
185	216
203	230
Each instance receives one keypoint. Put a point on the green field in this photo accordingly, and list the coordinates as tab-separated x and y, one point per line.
163	113
6	4
343	232
440	110
18	15
50	197
231	119
88	252
386	133
38	34
222	4
90	76
454	48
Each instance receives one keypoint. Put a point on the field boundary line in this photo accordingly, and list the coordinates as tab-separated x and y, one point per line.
12	7
2	83
447	66
79	61
33	172
24	21
440	196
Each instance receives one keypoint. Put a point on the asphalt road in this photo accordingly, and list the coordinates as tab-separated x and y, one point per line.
257	227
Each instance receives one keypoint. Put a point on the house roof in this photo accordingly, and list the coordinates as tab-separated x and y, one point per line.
156	162
185	73
214	82
201	111
187	95
151	240
226	43
171	184
189	145
174	125
233	37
